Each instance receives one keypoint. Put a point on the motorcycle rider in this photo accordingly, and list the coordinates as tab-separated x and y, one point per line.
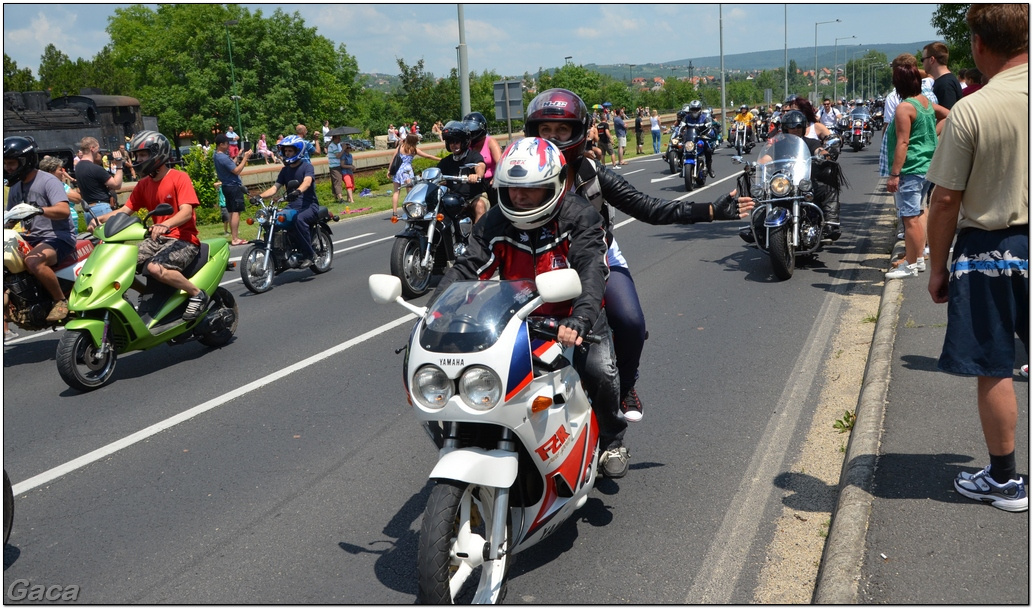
50	234
828	115
746	116
560	116
695	116
457	137
303	198
540	225
173	242
828	178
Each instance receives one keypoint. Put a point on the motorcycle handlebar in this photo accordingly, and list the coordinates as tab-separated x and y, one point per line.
547	327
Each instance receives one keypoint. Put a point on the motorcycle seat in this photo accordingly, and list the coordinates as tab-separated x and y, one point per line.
199	261
83	248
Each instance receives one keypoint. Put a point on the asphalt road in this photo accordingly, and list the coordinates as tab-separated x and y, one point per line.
286	468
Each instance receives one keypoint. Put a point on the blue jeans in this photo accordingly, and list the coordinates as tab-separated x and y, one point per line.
303	230
656	141
99	209
628	323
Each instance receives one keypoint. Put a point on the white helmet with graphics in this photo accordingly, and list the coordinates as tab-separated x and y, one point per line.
530	178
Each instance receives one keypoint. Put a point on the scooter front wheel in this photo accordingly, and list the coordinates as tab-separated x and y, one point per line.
452	548
80	363
254	272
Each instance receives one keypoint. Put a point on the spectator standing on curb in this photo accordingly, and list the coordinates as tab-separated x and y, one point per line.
638	130
333	161
348	172
403	176
228	170
234	141
946	85
621	131
606	143
912	142
985	154
94	181
654	128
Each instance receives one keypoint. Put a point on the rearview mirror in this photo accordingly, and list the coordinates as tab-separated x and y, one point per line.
162	210
559	285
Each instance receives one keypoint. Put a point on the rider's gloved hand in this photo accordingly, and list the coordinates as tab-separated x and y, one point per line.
577	327
726	208
293	195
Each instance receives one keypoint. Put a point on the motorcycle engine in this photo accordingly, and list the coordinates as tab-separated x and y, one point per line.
27	303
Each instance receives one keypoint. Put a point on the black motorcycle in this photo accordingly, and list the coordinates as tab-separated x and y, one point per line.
275	250
674	150
694	141
437	232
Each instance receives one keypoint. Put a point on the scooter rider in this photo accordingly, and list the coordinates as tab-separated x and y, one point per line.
696	117
456	135
303	198
562	117
173	242
50	234
538	226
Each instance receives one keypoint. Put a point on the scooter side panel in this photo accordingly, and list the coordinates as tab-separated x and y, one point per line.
110	264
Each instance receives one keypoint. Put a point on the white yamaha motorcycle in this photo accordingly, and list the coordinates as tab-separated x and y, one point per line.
517	437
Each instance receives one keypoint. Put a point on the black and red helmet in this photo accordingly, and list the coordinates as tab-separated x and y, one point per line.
563	106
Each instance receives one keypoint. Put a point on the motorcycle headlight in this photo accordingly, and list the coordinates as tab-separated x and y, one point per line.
806	186
415	209
480	388
261	216
780	186
432	387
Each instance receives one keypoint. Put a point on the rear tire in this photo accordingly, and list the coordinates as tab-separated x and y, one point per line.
79	365
324	246
251	270
782	253
455	529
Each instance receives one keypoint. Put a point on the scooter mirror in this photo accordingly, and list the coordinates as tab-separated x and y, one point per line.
559	285
162	210
384	288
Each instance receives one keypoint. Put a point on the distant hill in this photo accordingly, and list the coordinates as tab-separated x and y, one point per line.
759	60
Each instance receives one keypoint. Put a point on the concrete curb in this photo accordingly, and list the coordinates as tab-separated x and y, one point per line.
841	563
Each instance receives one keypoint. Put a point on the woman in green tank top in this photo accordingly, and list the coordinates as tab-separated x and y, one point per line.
910	146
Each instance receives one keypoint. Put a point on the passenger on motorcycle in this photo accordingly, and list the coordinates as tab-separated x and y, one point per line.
828	176
173	242
539	226
50	234
303	198
695	116
490	150
457	136
562	117
745	116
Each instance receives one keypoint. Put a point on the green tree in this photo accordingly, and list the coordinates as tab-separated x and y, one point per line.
949	21
16	79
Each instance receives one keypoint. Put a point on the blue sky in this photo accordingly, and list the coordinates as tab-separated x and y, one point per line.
514	38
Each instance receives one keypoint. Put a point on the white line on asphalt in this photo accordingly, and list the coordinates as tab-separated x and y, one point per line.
143	434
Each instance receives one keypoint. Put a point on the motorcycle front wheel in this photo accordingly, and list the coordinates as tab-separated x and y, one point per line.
405	265
79	363
222	299
690	181
671	162
456	525
782	253
324	247
255	278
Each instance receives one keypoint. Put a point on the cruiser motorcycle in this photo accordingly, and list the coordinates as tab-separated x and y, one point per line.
695	140
516	436
787	221
437	232
274	250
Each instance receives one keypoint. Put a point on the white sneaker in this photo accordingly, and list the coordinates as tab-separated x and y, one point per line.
900	236
920	263
902	271
926	253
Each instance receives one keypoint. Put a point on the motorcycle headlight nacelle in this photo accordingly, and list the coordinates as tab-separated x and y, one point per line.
415	209
480	388
780	186
261	217
432	387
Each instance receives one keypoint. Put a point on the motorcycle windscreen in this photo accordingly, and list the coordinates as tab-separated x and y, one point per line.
786	155
470	315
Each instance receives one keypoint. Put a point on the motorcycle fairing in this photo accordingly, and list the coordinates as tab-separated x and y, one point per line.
565	481
520	373
474	465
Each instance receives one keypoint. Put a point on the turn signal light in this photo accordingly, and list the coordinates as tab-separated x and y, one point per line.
250	221
541	403
440	217
117	286
394	219
281	219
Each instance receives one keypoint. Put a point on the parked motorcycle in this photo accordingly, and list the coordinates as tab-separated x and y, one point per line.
695	140
787	221
108	322
860	134
437	232
517	438
275	250
26	301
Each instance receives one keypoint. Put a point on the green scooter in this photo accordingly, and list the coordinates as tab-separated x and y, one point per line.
108	322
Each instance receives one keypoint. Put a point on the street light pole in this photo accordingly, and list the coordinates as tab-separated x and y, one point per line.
630	67
816	54
835	61
567	59
233	77
853	75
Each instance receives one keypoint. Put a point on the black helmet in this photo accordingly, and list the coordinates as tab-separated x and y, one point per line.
24	149
156	145
477	135
791	99
457	131
794	119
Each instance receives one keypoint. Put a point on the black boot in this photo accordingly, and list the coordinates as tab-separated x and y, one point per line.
747	234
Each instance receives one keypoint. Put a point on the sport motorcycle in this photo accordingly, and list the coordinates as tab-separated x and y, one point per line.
516	436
